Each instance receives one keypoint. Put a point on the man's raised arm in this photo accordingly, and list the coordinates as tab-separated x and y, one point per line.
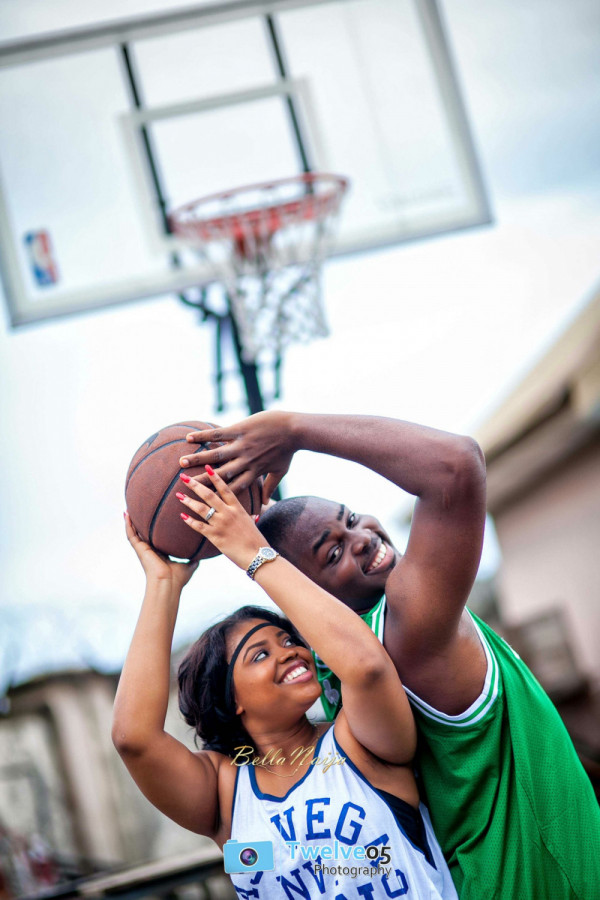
414	457
428	588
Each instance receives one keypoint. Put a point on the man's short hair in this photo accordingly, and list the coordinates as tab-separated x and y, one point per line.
277	523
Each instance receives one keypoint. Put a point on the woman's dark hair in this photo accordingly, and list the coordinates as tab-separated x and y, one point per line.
202	679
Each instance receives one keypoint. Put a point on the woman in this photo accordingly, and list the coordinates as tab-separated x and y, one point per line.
323	796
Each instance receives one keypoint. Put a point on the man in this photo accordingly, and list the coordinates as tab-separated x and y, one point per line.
512	807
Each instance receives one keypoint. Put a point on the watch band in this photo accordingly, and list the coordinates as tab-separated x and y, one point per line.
264	555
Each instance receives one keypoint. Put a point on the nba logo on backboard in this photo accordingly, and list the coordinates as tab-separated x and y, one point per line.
43	266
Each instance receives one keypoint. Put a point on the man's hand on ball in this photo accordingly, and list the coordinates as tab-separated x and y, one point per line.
259	445
229	527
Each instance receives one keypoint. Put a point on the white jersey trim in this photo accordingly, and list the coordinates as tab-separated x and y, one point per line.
480	706
317	712
424	852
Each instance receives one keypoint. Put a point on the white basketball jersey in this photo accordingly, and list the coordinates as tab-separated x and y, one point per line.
336	807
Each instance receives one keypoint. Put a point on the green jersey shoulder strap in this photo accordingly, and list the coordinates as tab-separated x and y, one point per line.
478	709
329	703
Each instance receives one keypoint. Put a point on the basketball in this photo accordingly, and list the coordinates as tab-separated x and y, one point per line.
152	482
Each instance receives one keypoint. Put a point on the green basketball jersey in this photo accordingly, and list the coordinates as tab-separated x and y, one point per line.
327	706
510	802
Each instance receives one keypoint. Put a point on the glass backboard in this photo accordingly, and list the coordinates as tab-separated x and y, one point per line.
105	127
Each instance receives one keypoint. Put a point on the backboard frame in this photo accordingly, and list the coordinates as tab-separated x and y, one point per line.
25	308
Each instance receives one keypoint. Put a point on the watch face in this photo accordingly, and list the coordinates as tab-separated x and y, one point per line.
268	553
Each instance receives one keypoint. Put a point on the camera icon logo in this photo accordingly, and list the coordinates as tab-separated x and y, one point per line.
240	857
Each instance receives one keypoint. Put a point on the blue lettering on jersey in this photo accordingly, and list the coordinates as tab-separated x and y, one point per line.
402	890
316	816
299	889
244	894
276	819
384	840
366	890
318	876
342	821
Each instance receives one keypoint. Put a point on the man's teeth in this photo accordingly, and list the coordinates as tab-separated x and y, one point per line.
299	670
379	558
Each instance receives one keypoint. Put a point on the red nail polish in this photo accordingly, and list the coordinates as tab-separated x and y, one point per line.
184	477
256	518
183	516
180	496
210	470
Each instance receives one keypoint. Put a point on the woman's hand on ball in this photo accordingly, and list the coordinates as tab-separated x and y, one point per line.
230	529
156	566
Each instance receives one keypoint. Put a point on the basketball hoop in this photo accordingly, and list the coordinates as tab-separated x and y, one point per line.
265	243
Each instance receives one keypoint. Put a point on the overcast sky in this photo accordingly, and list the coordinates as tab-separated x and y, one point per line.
436	332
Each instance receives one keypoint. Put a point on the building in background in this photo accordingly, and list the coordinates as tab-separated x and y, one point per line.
68	807
543	462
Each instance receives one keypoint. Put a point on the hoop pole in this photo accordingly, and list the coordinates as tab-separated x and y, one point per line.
219	365
249	371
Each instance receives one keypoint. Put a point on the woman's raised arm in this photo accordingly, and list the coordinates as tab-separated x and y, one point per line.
375	704
181	784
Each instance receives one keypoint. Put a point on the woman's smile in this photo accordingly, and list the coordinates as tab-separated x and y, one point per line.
298	671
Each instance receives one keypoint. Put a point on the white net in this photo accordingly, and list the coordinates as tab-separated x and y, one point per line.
266	245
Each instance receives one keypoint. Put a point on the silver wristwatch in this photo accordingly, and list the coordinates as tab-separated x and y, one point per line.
265	554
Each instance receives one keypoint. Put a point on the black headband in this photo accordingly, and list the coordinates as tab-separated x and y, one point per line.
236	653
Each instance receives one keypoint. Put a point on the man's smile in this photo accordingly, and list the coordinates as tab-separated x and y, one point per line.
376	558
